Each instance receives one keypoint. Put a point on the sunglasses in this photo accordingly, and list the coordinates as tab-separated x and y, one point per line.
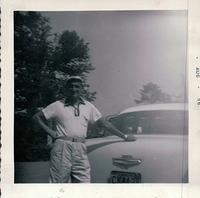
76	111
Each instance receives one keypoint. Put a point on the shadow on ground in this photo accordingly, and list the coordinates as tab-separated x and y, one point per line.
31	172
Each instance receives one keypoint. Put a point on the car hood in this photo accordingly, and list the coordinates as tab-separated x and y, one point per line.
163	157
141	140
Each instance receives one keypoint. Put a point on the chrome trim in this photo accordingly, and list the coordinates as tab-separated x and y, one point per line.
126	161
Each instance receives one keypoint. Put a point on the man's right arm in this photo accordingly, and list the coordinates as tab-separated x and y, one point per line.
40	119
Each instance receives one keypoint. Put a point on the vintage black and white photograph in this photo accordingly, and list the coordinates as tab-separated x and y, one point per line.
100	96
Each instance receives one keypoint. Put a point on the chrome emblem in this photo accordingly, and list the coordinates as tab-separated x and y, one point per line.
125	161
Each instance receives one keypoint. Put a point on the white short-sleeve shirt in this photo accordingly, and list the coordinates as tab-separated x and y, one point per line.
66	123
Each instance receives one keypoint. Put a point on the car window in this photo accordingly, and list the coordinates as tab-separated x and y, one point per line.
152	122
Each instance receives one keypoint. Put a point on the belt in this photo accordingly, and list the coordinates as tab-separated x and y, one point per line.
72	139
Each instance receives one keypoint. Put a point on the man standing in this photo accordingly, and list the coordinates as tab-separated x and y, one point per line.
69	161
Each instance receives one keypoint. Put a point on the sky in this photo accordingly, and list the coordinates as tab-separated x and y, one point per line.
129	49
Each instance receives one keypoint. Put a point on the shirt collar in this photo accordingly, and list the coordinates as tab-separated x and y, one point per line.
67	102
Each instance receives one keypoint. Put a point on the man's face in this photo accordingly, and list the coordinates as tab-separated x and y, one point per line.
75	89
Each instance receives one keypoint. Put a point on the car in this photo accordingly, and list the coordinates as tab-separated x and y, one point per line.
159	154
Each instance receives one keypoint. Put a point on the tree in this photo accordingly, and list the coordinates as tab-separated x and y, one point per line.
31	51
71	57
42	62
41	65
152	93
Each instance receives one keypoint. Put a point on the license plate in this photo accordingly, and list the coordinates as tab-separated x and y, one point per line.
124	177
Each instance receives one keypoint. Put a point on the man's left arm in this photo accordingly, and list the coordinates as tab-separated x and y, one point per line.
104	123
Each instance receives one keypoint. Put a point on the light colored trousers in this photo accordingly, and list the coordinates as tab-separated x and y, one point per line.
69	162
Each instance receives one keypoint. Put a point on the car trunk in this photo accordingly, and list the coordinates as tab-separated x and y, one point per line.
159	158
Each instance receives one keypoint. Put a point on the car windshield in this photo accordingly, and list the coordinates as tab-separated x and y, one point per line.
152	122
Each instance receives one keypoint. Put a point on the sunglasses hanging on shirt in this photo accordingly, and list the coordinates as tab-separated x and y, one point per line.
76	111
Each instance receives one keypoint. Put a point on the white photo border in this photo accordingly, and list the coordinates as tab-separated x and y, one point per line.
9	189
